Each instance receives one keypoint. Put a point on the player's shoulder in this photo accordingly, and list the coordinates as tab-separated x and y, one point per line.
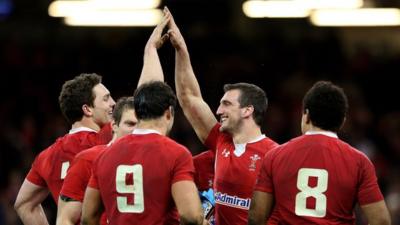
209	154
50	150
172	144
263	145
91	153
269	143
353	152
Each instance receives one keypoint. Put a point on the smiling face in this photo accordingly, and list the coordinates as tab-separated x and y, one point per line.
103	105
230	112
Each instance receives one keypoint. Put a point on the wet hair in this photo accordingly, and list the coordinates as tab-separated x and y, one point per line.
77	92
327	105
251	95
123	104
152	99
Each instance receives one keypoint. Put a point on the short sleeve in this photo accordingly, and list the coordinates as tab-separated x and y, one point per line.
368	191
93	182
264	181
212	138
34	173
77	179
183	168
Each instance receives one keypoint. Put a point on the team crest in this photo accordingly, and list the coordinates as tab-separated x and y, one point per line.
253	158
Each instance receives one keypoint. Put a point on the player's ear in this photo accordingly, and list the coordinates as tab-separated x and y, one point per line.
114	125
247	111
344	121
87	110
307	115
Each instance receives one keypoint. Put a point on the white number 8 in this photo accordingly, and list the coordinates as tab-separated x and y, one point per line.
307	191
136	188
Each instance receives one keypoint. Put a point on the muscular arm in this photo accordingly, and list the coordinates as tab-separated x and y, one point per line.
152	70
92	207
188	92
28	204
377	213
187	202
260	208
68	213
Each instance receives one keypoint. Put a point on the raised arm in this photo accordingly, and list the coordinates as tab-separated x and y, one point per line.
188	92
28	204
152	69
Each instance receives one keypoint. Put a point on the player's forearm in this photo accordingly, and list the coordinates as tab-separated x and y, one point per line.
66	221
152	69
191	221
255	221
32	215
90	221
186	83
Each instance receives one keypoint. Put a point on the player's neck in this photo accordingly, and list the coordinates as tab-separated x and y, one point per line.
312	128
246	134
157	125
85	122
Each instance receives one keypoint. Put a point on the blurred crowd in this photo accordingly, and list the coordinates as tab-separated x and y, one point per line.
32	74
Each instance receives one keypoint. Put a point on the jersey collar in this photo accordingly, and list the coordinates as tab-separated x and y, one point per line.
241	148
145	131
326	133
80	129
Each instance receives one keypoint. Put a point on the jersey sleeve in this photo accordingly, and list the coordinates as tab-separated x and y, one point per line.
183	168
77	179
34	175
212	139
369	191
93	181
264	181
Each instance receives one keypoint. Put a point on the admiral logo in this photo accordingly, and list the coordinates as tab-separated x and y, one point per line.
232	201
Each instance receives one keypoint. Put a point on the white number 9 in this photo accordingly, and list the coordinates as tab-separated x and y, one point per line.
136	188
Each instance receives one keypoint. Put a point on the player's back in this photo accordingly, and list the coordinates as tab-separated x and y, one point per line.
135	175
51	165
317	179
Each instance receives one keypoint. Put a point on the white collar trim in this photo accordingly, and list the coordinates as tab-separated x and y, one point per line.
259	138
240	149
326	133
80	129
145	131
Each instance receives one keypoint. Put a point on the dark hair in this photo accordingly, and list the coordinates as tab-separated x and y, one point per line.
152	99
327	105
77	92
123	104
251	95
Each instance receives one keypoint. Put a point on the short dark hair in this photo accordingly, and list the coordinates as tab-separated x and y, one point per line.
152	99
327	105
123	104
77	92
251	95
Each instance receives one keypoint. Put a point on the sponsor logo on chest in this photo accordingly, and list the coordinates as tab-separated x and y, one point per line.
232	201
